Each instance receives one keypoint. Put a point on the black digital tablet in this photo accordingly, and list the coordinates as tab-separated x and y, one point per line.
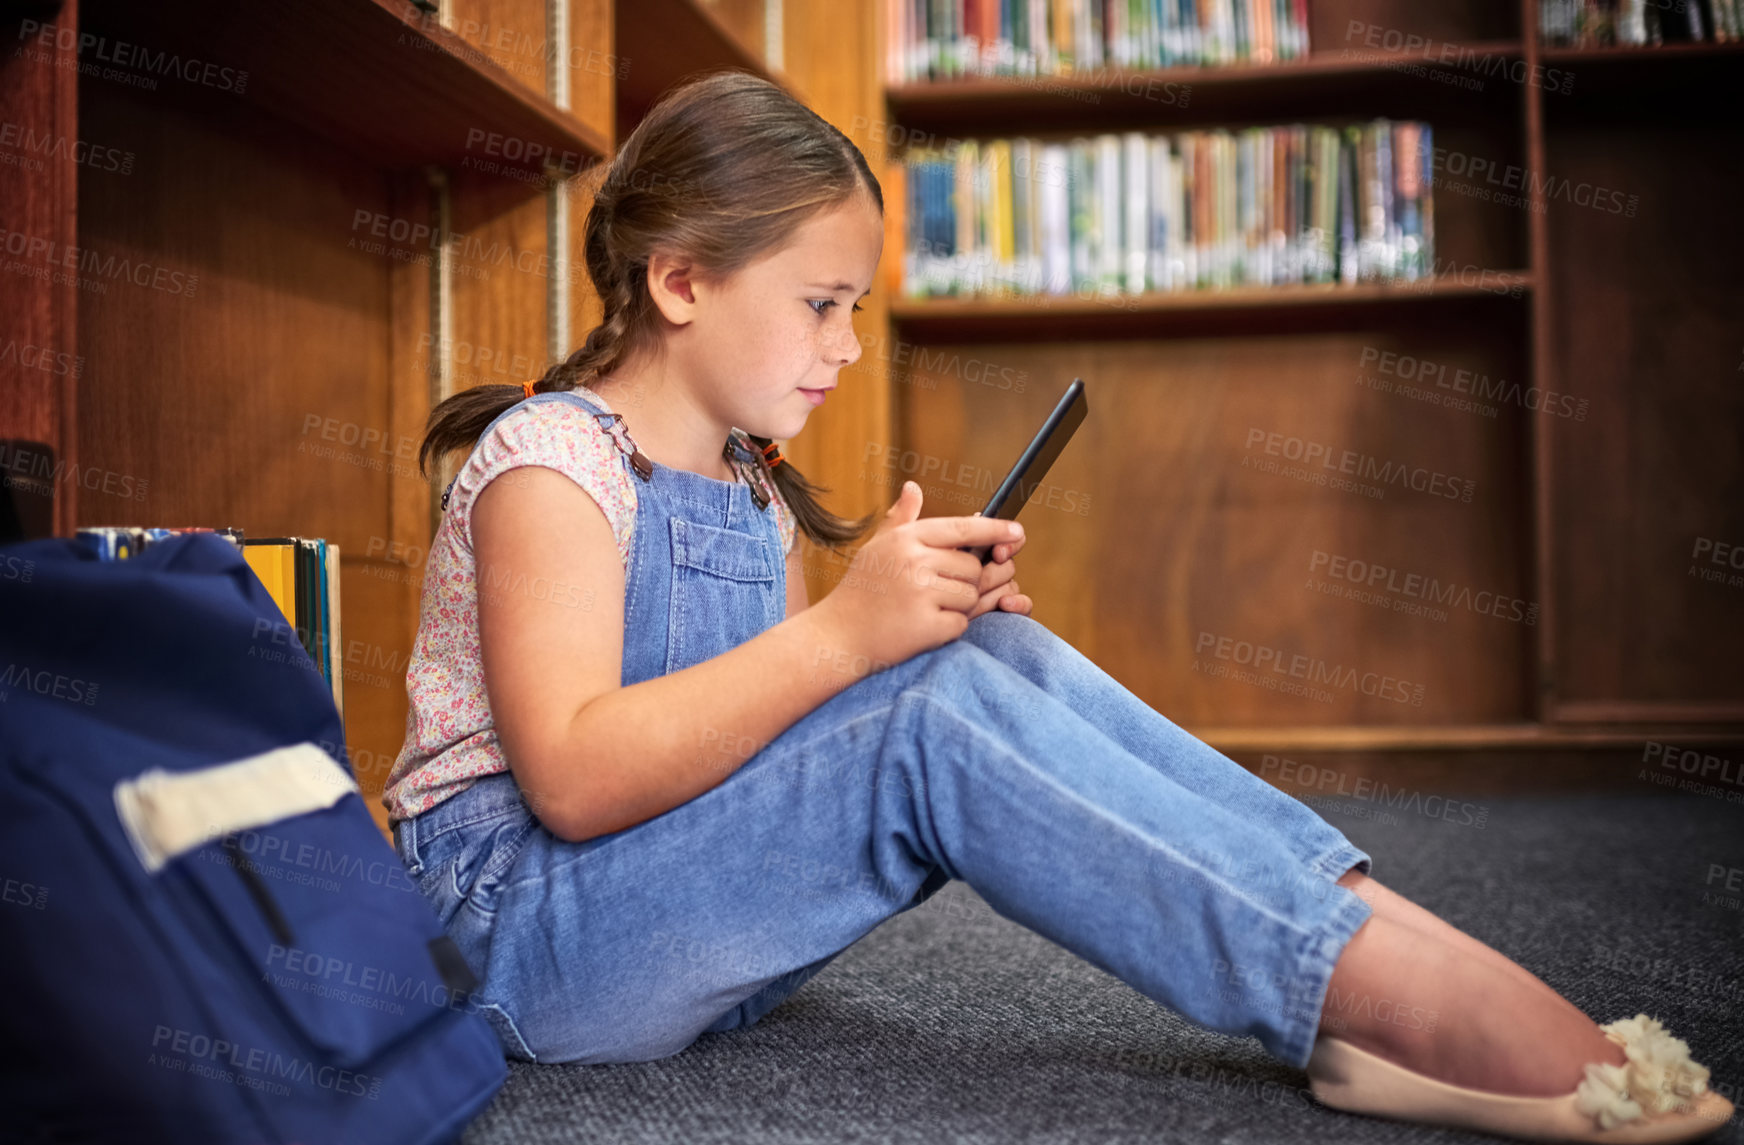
1037	458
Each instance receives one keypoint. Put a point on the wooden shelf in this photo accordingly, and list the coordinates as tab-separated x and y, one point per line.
1170	94
1693	81
377	76
1645	53
1056	317
663	41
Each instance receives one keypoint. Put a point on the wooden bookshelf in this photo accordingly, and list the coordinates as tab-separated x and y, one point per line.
1591	521
1056	318
284	191
1116	94
1648	54
361	115
368	221
662	41
382	77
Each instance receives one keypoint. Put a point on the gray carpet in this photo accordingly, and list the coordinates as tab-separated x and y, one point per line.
951	1023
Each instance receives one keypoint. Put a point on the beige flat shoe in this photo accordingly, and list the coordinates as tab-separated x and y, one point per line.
1658	1095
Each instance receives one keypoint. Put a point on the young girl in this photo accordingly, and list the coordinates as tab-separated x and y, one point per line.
650	791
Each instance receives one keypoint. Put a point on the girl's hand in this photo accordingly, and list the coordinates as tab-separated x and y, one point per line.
910	587
998	586
1005	550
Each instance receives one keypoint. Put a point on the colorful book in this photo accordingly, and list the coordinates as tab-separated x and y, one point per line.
940	40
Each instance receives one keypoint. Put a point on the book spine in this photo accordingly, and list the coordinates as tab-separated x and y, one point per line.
1229	222
1022	213
1005	201
1193	206
1426	216
1110	243
1387	180
1136	229
1056	220
335	631
323	617
1081	200
1157	155
922	224
1248	173
898	219
1348	187
1174	201
1372	221
1282	236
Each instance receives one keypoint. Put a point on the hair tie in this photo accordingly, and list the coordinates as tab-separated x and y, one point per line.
777	460
527	388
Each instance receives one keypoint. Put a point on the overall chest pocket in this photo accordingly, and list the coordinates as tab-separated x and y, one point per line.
727	587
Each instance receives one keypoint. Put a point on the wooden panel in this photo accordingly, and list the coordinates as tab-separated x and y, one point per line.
1329	24
382	77
39	173
502	273
1648	493
246	381
265	375
593	68
1170	545
1478	196
1626	62
381	623
744	19
414	350
1236	310
511	33
1467	81
661	42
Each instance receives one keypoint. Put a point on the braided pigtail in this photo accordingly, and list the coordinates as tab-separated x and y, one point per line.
823	527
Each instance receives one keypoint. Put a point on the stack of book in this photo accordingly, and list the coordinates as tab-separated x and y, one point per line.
940	39
119	542
1601	23
301	575
1134	212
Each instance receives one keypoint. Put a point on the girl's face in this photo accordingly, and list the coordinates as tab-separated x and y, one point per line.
768	343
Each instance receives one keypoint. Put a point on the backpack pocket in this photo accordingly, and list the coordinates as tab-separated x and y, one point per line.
317	906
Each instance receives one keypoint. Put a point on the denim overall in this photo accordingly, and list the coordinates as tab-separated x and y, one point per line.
1004	758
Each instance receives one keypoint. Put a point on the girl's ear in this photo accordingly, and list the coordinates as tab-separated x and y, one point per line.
670	285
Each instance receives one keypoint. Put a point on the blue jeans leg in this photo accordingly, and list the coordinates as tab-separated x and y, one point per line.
751	1009
952	764
1051	664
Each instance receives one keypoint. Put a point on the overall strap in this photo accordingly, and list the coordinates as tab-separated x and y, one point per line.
612	424
741	447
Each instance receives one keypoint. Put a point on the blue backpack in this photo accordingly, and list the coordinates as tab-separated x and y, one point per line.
204	934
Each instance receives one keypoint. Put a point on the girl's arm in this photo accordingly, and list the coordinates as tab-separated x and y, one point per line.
591	756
